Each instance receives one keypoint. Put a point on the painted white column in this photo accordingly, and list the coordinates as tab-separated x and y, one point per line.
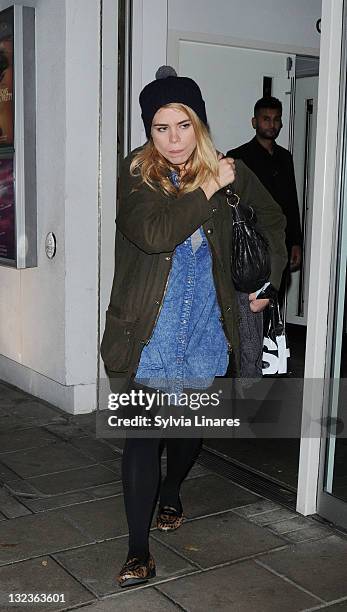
81	197
321	252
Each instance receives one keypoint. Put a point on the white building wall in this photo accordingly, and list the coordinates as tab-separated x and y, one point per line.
277	21
32	301
48	314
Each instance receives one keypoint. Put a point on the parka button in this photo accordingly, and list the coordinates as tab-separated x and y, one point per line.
168	258
210	231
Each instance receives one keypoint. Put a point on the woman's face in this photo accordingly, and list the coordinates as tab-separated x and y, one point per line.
173	135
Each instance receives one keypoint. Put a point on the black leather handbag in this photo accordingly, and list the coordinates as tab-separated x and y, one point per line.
250	260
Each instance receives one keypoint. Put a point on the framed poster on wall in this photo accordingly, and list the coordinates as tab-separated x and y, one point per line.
7	210
6	78
18	210
7	201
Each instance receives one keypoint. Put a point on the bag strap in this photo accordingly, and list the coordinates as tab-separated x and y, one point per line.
279	321
232	198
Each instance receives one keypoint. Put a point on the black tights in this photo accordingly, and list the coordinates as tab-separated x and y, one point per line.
141	478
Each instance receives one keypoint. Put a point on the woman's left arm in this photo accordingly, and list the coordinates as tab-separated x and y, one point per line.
271	221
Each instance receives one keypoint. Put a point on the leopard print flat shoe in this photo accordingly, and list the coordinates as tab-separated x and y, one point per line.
169	519
135	571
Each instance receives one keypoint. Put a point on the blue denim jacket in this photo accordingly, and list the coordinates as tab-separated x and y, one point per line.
188	347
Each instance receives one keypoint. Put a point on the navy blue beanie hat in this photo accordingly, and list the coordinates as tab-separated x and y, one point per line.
167	88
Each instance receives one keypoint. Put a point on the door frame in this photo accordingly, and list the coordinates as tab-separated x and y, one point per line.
176	36
328	506
325	201
295	318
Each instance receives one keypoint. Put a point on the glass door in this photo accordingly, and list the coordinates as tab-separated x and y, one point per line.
332	501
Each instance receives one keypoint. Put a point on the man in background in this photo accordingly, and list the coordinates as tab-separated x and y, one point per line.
274	167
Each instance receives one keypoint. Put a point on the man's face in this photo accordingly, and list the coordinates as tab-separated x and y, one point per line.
268	123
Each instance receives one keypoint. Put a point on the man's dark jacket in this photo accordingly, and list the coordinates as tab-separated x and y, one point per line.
276	172
150	224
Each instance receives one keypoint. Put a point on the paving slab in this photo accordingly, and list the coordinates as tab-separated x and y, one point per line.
13	393
116	443
9	506
198	470
219	539
115	465
72	480
334	607
5	473
41	504
258	507
7	404
104	518
86	421
212	493
66	430
294	523
306	534
107	490
20	488
32	411
24	439
97	566
241	587
318	566
38	576
141	599
10	423
54	502
54	458
272	516
39	534
95	449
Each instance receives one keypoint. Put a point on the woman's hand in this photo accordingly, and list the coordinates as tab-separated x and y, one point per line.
257	305
226	176
226	170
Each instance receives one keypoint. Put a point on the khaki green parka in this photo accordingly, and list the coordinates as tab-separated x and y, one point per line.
150	224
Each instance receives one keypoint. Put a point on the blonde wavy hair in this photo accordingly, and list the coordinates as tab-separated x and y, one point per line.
201	166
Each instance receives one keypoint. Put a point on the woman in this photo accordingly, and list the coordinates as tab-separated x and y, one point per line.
172	322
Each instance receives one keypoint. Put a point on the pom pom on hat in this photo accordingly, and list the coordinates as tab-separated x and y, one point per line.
165	71
167	88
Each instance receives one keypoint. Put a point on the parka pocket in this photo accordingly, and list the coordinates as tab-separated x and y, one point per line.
117	342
